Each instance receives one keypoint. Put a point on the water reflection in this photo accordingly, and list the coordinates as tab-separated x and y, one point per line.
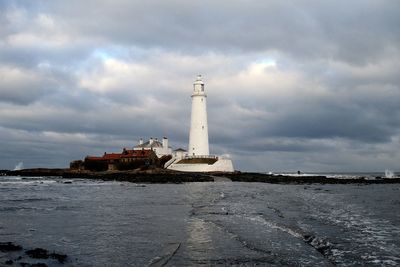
199	242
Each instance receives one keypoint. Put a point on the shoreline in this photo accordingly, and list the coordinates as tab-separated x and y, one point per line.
161	176
158	175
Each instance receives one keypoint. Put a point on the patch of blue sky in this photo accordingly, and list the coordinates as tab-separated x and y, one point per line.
119	52
267	61
105	53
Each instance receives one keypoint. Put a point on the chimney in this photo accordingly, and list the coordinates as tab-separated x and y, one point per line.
165	142
141	141
151	141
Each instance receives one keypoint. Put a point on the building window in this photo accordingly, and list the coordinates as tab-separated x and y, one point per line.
202	127
202	87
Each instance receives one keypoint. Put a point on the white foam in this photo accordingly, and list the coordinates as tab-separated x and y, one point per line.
389	174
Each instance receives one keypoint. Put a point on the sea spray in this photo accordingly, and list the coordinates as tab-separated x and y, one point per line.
389	174
19	166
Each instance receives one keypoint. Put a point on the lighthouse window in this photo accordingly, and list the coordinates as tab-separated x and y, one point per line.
202	100
202	87
202	127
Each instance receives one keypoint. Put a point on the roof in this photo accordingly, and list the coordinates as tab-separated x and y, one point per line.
125	154
136	153
180	149
106	156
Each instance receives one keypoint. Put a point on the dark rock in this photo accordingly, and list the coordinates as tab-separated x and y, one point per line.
37	253
60	257
308	238
142	176
286	179
160	176
320	245
8	246
4	172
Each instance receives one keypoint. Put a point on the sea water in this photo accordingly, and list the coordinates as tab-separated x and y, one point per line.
124	224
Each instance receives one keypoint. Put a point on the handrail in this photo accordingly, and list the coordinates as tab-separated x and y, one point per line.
169	162
200	157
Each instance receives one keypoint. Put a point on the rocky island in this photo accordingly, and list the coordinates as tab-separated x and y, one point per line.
160	175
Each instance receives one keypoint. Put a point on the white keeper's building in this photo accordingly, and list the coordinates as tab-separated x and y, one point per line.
160	148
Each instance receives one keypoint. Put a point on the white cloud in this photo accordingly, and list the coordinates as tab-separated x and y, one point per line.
25	30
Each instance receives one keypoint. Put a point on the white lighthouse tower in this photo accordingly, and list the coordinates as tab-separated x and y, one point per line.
198	158
198	137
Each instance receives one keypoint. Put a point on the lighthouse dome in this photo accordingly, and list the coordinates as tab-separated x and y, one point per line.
199	80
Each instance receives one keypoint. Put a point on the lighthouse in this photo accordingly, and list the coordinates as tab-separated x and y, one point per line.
198	158
198	136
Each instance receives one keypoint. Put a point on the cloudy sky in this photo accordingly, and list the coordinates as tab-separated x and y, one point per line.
292	85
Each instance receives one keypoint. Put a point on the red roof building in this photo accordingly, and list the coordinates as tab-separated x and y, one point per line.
126	154
126	159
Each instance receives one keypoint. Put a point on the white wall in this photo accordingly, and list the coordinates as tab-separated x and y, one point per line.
222	165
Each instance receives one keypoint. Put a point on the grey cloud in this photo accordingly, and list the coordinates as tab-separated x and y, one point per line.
31	57
328	99
354	117
107	119
356	32
23	86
